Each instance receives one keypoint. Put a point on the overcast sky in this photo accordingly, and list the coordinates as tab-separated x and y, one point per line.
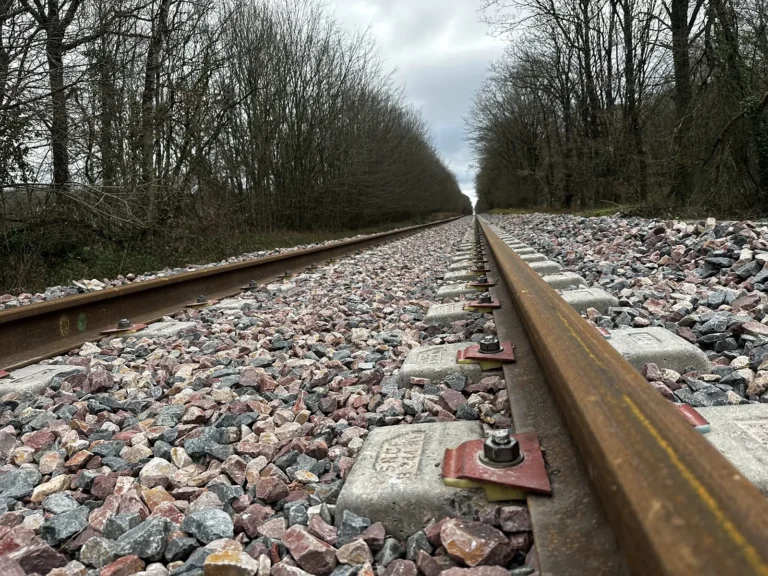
441	53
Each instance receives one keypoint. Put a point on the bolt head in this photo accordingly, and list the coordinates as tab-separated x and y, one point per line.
124	323
482	279
501	448
485	297
202	299
490	345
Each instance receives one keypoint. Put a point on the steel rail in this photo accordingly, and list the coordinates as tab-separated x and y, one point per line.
31	333
676	505
572	523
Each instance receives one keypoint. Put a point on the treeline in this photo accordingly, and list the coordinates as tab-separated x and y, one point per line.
625	101
133	119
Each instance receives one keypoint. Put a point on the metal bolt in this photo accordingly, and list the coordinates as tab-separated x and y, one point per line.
485	297
482	279
490	345
202	299
501	448
123	324
252	285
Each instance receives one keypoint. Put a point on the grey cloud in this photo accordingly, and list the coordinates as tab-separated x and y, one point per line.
441	53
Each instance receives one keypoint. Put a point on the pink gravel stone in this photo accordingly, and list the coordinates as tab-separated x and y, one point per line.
320	528
312	554
271	489
274	528
401	568
474	543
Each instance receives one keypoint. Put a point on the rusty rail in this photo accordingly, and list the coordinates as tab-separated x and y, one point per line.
31	333
676	505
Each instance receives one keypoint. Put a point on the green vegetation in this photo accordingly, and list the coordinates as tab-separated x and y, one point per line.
65	261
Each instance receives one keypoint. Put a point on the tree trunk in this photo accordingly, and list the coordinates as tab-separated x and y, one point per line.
149	93
682	183
59	121
633	113
568	153
107	111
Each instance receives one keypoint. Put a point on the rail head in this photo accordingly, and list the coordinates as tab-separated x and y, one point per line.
677	506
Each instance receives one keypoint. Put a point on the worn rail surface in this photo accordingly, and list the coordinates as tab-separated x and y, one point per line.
676	506
31	333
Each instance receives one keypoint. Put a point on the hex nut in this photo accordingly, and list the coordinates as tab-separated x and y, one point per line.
501	448
490	345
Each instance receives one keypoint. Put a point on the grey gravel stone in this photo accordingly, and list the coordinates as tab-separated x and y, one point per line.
415	543
351	527
18	484
62	526
208	525
119	524
456	381
392	550
59	503
194	564
147	540
97	552
180	548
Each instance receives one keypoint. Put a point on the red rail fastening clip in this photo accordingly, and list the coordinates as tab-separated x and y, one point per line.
482	306
481	284
4	374
699	423
467	462
490	354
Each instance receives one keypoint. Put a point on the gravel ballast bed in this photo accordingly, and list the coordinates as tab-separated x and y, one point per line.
222	450
706	281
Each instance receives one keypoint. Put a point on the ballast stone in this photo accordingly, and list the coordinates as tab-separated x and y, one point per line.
641	346
35	378
740	433
435	363
545	268
454	290
564	280
396	479
442	314
584	298
164	329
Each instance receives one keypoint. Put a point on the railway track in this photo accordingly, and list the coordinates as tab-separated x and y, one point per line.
31	333
615	480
